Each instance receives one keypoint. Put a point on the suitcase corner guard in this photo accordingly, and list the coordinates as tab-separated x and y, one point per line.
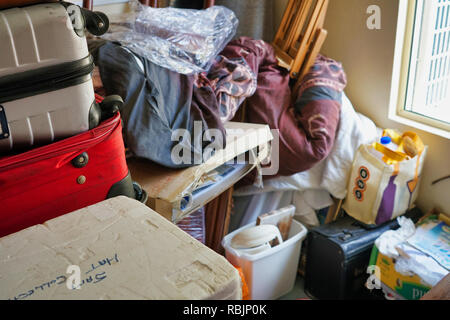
129	188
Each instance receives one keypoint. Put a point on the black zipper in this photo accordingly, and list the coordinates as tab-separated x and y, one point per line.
46	79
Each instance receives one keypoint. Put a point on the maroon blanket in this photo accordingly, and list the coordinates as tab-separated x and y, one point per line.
307	124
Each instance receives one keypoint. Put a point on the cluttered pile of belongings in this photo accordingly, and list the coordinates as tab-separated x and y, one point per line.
174	75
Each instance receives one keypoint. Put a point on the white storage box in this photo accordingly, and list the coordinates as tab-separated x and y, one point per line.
123	249
271	273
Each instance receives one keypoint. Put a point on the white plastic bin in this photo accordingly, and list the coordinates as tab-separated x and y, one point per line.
269	274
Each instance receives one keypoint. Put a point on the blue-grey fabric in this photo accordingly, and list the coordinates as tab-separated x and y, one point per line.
157	102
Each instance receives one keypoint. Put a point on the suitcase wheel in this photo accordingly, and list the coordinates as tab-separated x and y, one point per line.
141	194
81	161
110	105
97	23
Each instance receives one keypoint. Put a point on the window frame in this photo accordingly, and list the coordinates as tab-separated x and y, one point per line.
406	26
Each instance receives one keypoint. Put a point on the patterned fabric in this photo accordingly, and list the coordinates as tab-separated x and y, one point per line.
306	125
324	73
232	81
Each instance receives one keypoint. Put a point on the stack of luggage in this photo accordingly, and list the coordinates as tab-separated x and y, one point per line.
61	146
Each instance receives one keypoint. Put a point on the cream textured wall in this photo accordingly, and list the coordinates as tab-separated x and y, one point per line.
367	56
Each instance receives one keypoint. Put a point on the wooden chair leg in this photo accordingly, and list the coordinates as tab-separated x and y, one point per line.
209	3
151	3
314	51
334	211
88	4
217	220
310	58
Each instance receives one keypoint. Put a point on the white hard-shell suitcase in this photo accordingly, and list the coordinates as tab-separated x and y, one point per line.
46	90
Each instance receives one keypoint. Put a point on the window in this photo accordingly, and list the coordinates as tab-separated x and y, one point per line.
424	79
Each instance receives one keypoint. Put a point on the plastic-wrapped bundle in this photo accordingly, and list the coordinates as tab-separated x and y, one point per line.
183	40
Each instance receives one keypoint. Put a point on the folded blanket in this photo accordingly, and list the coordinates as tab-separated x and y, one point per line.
332	173
307	125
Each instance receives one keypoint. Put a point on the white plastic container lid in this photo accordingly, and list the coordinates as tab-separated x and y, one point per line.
299	234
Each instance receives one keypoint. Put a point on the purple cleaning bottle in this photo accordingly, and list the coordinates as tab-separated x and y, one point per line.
386	207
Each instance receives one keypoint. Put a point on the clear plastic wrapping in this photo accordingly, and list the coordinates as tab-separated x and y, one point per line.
183	40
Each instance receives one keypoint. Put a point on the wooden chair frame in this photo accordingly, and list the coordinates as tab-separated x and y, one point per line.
300	35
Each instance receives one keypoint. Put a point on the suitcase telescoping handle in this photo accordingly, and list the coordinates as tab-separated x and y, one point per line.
97	23
4	129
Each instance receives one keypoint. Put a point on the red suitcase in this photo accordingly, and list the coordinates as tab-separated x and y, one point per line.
59	178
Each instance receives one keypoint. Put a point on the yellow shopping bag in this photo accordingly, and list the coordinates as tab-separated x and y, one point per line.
384	183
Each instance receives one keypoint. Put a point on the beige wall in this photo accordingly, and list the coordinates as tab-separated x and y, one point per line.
367	56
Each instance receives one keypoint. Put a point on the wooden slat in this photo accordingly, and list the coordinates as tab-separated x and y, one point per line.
311	57
283	58
280	35
297	24
226	225
217	217
306	39
88	4
317	19
208	3
314	51
441	291
323	15
333	211
298	41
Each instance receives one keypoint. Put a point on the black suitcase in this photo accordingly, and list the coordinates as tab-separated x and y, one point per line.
338	255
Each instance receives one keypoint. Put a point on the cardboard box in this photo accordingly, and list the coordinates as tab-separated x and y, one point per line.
122	249
168	188
407	287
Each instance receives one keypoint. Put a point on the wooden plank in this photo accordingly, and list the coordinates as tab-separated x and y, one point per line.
333	211
164	208
306	40
321	21
441	291
211	210
282	29
169	184
209	3
88	4
284	59
314	51
217	215
226	226
303	20
297	24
